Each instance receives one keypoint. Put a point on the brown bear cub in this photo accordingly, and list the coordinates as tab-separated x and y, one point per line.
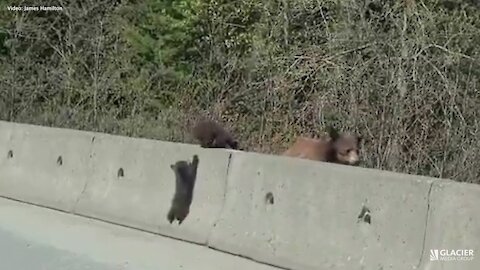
185	176
338	148
211	135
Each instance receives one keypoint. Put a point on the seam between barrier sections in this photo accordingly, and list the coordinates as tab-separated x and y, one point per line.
220	214
86	181
426	226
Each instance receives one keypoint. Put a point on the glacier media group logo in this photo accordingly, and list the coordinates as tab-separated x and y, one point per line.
451	254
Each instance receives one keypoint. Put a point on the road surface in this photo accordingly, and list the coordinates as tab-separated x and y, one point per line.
33	237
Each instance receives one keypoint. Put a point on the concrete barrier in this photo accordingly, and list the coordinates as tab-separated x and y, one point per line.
45	166
313	220
141	198
453	224
78	171
287	212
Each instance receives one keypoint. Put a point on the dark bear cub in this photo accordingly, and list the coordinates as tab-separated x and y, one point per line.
185	176
211	135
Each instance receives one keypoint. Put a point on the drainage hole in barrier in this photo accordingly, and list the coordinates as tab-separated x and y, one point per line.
365	215
10	154
269	198
59	161
120	173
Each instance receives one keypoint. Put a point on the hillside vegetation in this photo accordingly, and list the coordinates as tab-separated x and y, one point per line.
404	74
